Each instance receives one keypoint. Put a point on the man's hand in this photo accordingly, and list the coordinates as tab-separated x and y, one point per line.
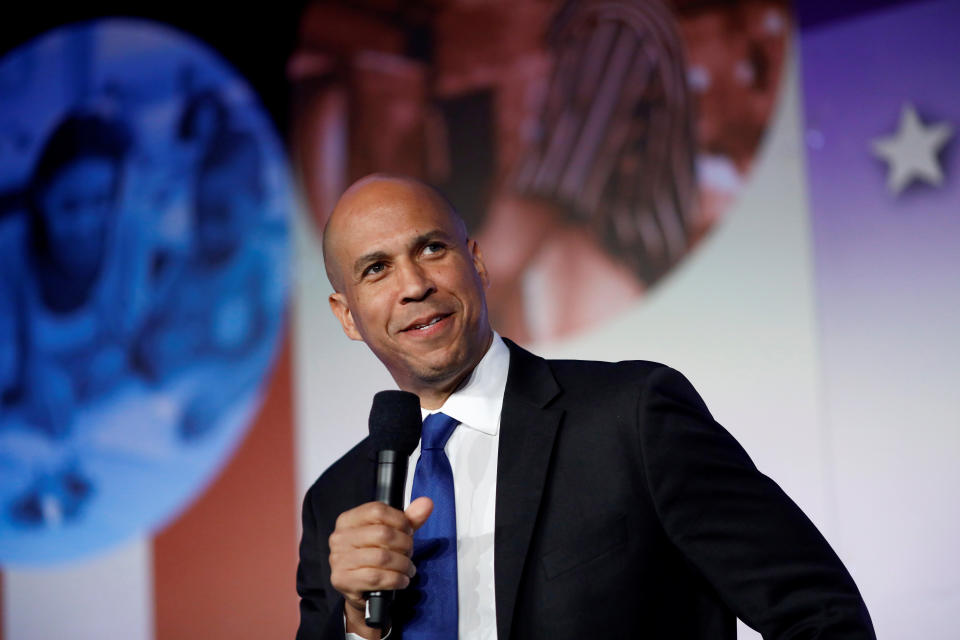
370	550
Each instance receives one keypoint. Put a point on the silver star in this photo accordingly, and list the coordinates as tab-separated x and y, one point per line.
911	153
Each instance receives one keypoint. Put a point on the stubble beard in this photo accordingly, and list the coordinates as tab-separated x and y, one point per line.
451	375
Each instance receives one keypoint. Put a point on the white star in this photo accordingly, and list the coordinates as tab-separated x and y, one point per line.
911	153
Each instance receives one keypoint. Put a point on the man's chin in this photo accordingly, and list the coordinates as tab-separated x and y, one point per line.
442	369
441	376
438	376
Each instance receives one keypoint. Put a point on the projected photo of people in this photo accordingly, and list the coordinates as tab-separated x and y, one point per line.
75	275
143	281
591	146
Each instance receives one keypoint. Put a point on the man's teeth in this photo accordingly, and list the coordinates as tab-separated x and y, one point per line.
431	323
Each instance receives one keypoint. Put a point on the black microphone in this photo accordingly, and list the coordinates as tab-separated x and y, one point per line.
395	425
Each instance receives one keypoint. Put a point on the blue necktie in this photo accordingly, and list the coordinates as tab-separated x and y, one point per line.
435	543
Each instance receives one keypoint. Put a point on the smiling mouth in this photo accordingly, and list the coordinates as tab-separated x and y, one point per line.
419	326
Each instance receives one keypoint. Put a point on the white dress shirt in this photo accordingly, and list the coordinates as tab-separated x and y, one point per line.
472	451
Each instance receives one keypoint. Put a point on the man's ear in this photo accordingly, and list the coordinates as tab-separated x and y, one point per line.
340	308
478	264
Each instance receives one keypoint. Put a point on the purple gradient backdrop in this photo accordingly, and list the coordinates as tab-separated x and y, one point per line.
887	273
887	267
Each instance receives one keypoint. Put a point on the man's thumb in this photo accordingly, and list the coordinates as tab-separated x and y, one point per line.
418	511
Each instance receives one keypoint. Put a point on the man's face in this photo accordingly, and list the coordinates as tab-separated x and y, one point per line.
410	284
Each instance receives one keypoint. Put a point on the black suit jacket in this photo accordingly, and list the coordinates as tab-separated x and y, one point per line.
623	510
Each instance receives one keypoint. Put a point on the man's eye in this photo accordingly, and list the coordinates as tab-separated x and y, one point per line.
374	269
434	247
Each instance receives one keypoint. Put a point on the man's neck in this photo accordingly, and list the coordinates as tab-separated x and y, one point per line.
432	398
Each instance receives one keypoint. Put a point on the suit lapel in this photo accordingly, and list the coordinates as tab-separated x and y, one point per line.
527	433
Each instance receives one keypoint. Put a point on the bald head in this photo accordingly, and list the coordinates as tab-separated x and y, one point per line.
370	195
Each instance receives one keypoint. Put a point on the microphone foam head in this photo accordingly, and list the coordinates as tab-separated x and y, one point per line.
395	422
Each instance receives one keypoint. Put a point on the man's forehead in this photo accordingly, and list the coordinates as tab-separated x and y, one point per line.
379	210
386	207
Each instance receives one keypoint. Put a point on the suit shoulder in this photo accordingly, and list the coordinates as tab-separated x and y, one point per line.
601	373
346	473
572	374
598	379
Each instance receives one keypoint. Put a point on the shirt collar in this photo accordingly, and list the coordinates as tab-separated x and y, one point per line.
477	403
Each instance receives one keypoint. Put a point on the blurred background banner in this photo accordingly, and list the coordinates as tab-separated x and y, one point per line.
590	146
144	269
143	284
762	195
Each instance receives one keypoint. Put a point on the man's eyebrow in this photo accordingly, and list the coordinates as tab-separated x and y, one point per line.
429	236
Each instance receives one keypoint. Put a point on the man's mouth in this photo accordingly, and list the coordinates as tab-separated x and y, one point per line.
423	323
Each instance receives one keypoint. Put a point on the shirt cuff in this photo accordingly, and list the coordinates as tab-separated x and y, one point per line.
353	636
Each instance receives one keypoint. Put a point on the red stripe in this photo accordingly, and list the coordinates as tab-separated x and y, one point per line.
226	568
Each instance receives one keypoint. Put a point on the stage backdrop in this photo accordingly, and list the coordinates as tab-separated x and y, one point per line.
763	196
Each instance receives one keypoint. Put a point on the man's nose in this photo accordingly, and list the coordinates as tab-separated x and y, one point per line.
416	283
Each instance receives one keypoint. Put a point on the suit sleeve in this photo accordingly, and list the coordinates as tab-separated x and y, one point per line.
763	556
321	607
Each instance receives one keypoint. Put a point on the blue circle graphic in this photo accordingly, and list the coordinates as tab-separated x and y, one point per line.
144	205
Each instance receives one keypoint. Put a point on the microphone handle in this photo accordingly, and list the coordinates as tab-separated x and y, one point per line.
391	480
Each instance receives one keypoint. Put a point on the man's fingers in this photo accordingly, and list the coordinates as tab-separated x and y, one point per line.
354	583
371	546
369	579
418	511
370	558
372	535
373	513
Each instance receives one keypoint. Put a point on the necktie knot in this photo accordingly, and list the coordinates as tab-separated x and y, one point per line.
437	428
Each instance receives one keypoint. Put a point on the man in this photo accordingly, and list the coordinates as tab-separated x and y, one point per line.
615	505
